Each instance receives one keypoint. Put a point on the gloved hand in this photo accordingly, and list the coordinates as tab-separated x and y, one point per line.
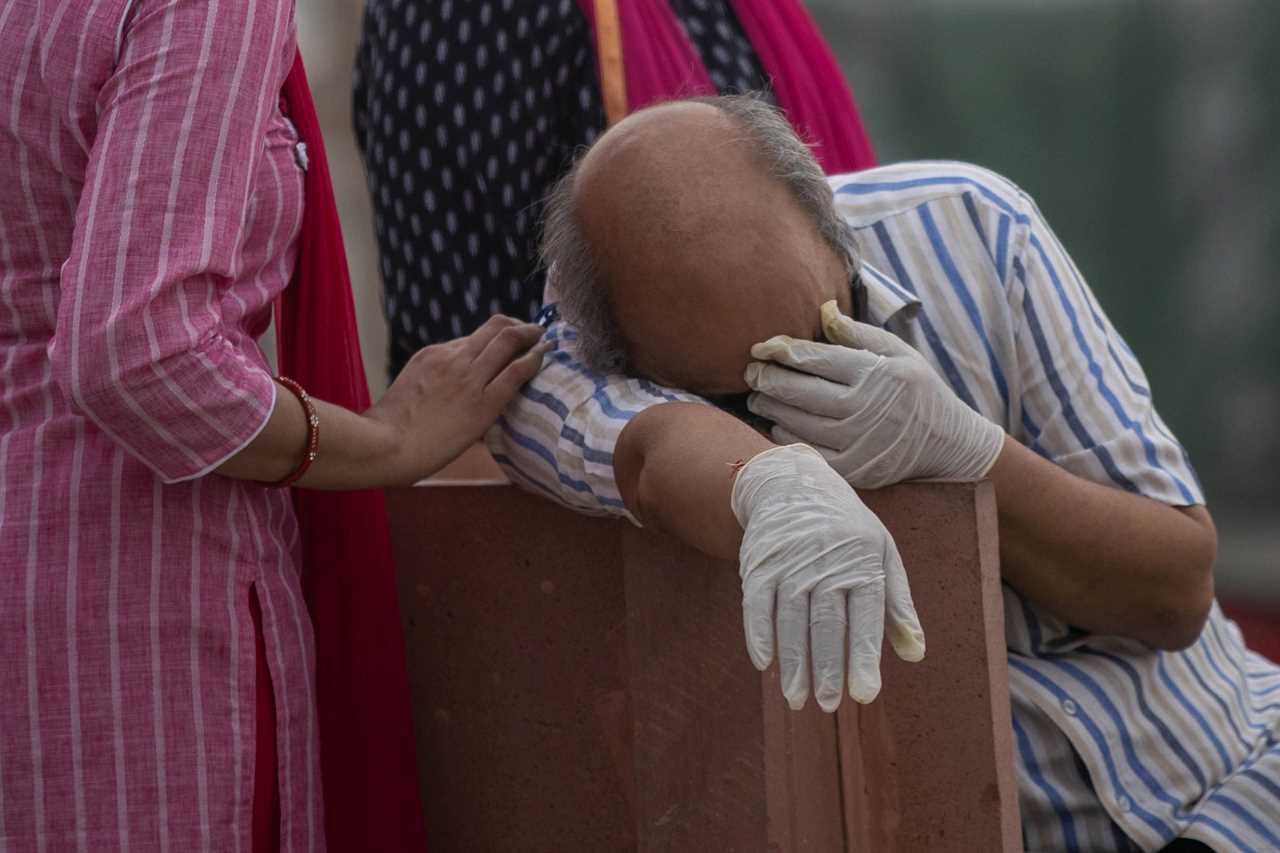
814	553
874	408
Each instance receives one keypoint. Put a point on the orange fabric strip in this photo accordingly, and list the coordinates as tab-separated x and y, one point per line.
613	78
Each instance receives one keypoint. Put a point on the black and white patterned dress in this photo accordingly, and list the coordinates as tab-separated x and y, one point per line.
466	112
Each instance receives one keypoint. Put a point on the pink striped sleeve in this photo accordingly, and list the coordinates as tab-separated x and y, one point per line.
141	346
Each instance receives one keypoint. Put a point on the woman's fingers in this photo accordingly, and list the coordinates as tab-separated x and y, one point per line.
509	343
513	377
478	341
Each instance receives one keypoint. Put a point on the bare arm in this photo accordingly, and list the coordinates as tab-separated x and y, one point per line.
142	347
675	464
1105	560
440	404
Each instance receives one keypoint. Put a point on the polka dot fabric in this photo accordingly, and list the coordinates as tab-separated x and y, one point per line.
716	35
466	112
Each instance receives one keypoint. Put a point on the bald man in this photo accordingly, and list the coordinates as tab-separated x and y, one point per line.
694	248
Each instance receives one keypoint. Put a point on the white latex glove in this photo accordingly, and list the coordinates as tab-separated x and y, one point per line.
817	557
872	405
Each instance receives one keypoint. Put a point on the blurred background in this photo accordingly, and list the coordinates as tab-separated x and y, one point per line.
1147	130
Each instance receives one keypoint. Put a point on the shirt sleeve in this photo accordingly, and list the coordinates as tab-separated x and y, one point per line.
141	347
1086	404
558	436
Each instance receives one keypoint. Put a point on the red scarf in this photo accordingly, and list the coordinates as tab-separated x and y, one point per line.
367	748
660	64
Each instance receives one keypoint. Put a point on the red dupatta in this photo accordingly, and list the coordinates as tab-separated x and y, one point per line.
367	748
660	63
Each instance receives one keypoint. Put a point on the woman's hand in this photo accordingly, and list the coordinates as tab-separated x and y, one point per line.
443	401
449	394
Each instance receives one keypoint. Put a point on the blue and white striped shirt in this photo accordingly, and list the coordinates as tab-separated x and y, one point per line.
1118	747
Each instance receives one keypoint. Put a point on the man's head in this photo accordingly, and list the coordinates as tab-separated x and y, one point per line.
687	233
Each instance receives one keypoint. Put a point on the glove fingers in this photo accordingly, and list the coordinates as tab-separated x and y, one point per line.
836	327
866	635
793	646
905	634
812	428
828	620
858	476
848	332
757	621
811	393
874	467
838	363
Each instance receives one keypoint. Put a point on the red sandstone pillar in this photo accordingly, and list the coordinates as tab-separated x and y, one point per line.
580	685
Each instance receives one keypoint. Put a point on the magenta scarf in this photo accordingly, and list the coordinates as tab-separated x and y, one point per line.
367	750
661	64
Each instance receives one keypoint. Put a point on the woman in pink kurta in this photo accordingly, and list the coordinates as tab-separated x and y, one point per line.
150	199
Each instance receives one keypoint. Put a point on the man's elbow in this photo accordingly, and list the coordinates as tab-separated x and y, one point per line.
1173	628
1176	616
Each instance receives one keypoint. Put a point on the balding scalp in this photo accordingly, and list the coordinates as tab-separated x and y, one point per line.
648	205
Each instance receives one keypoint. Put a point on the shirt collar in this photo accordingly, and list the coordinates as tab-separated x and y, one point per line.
882	297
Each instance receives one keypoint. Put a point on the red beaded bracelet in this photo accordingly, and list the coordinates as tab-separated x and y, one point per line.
313	434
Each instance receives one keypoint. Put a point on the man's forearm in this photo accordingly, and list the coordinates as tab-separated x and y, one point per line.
1104	560
675	466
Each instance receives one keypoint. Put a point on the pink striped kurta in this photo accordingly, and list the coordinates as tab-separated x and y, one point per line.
150	198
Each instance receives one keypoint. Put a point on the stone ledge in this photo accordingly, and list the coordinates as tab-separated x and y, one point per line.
582	685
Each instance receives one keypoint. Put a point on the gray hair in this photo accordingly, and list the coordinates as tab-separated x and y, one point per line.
575	273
